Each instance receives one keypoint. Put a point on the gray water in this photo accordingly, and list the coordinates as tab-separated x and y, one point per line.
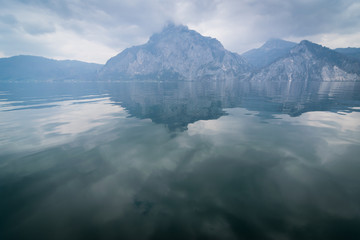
221	160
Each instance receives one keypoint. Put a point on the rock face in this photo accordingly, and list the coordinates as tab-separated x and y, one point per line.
268	53
33	68
311	62
173	54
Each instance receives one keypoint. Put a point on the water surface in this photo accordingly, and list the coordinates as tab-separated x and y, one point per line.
219	160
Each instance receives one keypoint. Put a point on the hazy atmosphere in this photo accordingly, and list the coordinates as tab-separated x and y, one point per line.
179	120
94	31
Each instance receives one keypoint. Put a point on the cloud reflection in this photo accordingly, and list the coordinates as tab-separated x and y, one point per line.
83	168
42	125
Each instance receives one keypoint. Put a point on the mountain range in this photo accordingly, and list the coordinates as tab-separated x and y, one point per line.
178	53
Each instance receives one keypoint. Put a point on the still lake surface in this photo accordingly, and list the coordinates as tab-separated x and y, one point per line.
220	160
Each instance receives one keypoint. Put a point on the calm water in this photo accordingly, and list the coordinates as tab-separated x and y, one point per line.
179	161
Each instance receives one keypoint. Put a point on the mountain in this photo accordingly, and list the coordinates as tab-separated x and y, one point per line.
350	52
33	68
268	53
308	61
173	54
177	53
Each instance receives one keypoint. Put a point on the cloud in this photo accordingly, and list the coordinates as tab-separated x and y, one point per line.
8	19
241	23
116	25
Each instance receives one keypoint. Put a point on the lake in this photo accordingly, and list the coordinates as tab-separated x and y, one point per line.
180	160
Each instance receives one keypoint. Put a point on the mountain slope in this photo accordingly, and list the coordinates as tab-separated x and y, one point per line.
175	53
268	53
311	62
33	68
350	52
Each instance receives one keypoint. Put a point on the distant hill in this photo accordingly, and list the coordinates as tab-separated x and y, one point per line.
268	53
176	53
350	52
308	61
33	68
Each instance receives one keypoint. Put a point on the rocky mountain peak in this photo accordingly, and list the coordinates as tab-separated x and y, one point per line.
169	30
182	36
308	47
172	28
176	53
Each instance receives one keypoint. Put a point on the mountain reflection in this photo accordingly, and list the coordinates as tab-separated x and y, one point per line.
219	160
178	104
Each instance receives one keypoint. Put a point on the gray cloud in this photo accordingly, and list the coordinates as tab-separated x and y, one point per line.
36	29
109	26
8	19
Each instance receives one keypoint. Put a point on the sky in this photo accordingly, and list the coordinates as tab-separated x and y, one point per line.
94	30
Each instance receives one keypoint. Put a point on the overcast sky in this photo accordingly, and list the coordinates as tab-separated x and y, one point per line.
95	30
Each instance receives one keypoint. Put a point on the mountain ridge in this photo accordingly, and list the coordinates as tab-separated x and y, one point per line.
269	52
308	61
351	52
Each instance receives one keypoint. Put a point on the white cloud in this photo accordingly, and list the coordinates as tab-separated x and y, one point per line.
96	30
74	46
